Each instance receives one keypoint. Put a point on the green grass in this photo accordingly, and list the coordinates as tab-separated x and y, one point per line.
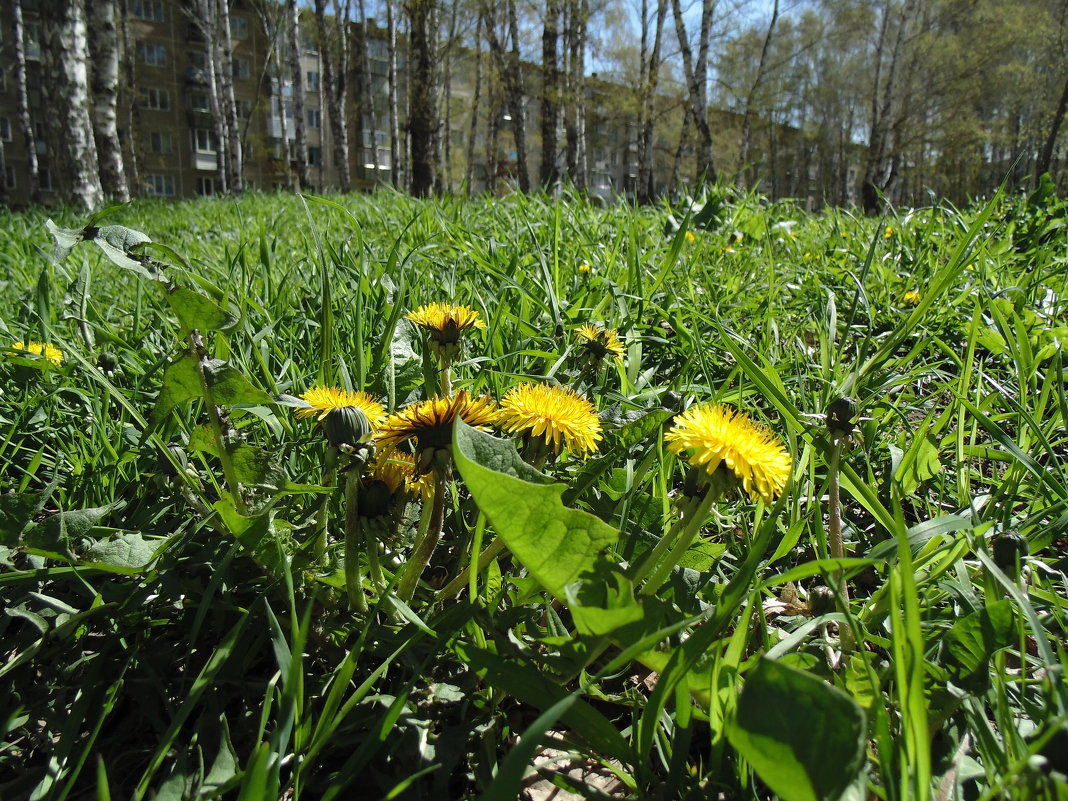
174	628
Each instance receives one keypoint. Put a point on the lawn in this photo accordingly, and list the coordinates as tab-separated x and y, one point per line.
366	496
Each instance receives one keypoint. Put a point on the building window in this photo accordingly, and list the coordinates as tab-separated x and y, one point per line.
40	139
205	186
5	129
242	69
200	101
315	157
203	140
244	109
9	177
315	118
152	10
162	143
156	99
238	27
31	40
159	185
313	81
152	54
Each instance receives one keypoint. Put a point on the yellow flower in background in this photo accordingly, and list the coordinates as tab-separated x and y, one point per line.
323	400
889	232
584	268
429	424
599	342
446	325
44	349
690	237
559	415
912	297
712	435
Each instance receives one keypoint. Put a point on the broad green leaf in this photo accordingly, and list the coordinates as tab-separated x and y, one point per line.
125	550
555	544
199	311
65	239
229	386
603	601
63	527
118	243
258	468
180	383
974	639
802	736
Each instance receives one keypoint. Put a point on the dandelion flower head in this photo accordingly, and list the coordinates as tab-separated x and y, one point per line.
559	415
44	349
446	326
912	297
323	400
429	424
599	342
712	435
690	237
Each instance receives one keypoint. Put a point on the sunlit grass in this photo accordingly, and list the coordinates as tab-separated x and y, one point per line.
207	595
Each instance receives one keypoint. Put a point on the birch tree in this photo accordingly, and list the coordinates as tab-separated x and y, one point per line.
395	166
22	102
695	71
550	94
576	16
649	69
296	77
423	120
104	52
334	52
65	51
510	68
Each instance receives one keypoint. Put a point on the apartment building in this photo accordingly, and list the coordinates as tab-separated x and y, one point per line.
169	134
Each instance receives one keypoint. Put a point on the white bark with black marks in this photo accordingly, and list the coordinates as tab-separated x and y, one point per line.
104	52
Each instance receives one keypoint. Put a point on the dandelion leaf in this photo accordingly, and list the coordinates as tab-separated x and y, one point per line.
555	544
974	639
230	387
180	384
199	311
127	550
802	736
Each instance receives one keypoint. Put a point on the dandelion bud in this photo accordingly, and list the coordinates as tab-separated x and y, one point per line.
347	426
840	414
1008	548
108	362
821	601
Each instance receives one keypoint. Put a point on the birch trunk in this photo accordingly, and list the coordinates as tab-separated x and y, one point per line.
129	100
758	80
229	103
650	78
23	104
297	80
104	52
696	73
394	123
472	134
333	53
368	96
422	104
550	94
65	51
575	44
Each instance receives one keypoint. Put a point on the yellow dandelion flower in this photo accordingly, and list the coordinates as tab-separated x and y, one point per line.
690	237
714	435
559	415
584	268
429	423
912	297
599	342
323	400
889	232
43	349
391	484
446	326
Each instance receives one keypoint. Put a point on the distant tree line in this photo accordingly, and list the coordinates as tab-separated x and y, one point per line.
878	99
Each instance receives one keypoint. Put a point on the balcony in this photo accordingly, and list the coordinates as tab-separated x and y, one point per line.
206	161
196	76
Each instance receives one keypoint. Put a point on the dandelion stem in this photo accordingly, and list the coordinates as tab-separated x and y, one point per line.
217	425
425	545
323	518
693	515
445	380
837	548
353	574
